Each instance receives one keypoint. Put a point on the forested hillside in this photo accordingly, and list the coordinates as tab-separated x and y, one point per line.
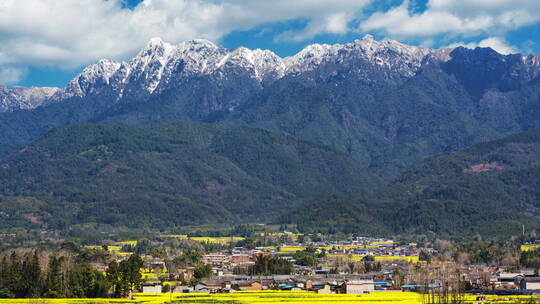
491	188
172	174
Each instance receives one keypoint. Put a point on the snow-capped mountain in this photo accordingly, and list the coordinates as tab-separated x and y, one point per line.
153	69
20	98
161	67
391	54
386	103
157	66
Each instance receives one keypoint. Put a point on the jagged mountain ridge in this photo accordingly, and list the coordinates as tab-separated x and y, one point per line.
157	66
21	98
160	65
387	104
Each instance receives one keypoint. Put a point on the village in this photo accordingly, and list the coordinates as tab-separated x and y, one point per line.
356	266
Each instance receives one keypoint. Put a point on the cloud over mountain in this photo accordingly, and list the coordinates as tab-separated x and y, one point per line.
455	18
68	34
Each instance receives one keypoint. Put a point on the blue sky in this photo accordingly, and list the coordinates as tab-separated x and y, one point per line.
41	47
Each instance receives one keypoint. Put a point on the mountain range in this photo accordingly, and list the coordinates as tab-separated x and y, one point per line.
382	107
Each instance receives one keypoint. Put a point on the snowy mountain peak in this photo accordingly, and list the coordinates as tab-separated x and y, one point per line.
156	46
204	42
198	45
368	37
20	98
159	64
91	79
155	42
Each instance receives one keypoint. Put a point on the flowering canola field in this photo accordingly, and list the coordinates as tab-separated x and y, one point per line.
221	240
530	247
260	297
265	297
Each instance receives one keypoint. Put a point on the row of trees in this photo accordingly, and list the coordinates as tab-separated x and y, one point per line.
267	264
31	275
308	257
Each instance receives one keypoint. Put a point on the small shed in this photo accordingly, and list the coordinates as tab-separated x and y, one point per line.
151	288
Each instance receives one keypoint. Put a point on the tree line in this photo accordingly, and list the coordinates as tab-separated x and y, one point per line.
28	275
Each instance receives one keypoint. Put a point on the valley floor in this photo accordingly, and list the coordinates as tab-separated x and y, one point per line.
266	297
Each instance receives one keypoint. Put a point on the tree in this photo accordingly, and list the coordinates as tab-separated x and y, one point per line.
368	258
130	274
87	282
424	256
23	277
113	277
188	257
202	272
266	264
53	282
31	275
166	288
307	257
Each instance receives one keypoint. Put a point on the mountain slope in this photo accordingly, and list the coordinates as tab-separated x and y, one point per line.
393	127
491	188
172	174
495	181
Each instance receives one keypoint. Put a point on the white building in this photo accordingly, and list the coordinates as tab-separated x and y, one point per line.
530	283
358	287
151	289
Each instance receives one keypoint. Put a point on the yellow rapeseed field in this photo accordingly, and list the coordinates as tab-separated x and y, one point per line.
288	249
262	297
530	247
130	243
411	259
177	236
356	258
389	242
220	240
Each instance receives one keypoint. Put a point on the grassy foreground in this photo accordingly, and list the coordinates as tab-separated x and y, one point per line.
266	297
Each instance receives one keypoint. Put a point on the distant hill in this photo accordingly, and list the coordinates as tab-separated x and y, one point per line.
169	175
490	189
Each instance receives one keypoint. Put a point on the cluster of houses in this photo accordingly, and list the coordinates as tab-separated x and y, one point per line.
225	263
339	284
228	275
526	279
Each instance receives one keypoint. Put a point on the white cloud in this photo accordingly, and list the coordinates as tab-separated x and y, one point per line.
333	24
498	44
455	18
11	75
70	33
